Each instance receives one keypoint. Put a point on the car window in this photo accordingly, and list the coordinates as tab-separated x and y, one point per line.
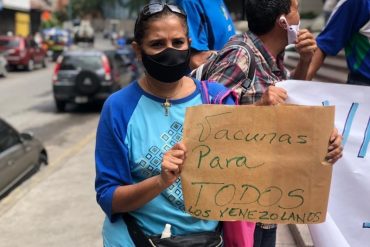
81	62
9	43
8	137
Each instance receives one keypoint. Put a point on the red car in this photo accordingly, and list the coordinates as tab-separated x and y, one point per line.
22	52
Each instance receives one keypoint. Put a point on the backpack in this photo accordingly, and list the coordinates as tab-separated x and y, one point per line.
201	73
214	93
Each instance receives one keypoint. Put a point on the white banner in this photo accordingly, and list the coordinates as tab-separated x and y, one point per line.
349	201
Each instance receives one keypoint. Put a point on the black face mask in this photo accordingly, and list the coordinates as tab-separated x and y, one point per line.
170	65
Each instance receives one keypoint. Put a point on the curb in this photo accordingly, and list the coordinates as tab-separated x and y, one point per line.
301	235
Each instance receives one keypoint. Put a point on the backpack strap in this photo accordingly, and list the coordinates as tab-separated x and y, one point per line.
237	42
199	72
204	92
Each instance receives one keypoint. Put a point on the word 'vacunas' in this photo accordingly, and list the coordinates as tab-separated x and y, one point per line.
207	132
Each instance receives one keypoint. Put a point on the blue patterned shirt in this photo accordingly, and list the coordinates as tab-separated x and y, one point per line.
133	134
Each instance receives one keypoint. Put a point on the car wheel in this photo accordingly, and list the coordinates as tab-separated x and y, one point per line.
30	65
10	67
43	160
5	73
87	82
61	105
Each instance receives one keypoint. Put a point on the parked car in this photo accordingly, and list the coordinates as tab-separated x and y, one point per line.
84	32
3	66
20	154
125	65
83	76
22	52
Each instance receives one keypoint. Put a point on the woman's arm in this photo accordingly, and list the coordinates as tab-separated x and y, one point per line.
131	197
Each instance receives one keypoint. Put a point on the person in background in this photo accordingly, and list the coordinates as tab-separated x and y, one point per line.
139	155
348	28
328	8
210	27
273	25
121	40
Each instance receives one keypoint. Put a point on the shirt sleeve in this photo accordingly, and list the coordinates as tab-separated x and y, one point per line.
346	20
196	19
111	159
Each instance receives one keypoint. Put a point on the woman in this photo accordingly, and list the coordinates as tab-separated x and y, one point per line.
139	155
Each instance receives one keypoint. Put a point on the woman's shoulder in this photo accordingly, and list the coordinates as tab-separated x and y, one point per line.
125	95
123	101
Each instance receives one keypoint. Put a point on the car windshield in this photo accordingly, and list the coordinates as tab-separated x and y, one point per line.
81	62
9	43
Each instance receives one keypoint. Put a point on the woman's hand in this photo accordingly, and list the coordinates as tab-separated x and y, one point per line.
335	149
172	163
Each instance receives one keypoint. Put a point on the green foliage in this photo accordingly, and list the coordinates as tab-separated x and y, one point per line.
53	22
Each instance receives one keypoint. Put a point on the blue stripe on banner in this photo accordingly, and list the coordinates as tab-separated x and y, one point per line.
366	225
349	121
366	141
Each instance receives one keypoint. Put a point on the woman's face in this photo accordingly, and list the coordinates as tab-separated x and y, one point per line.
163	33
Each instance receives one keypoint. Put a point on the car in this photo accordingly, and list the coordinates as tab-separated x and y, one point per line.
84	76
20	155
3	66
125	64
84	32
22	52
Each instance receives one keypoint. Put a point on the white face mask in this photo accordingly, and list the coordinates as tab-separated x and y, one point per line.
292	31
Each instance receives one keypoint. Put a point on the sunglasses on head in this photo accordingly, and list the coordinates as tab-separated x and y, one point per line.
155	8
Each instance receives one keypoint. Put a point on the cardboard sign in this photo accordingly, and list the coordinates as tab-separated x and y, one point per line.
256	163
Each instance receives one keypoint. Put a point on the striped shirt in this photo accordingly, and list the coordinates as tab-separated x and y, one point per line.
231	67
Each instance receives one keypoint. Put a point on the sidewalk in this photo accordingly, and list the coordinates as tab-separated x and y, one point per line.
60	210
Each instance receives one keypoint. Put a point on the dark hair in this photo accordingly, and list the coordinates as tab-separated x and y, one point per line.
262	14
142	22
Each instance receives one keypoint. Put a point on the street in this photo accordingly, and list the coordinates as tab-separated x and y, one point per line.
54	206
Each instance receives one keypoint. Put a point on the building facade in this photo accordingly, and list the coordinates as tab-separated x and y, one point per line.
15	17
